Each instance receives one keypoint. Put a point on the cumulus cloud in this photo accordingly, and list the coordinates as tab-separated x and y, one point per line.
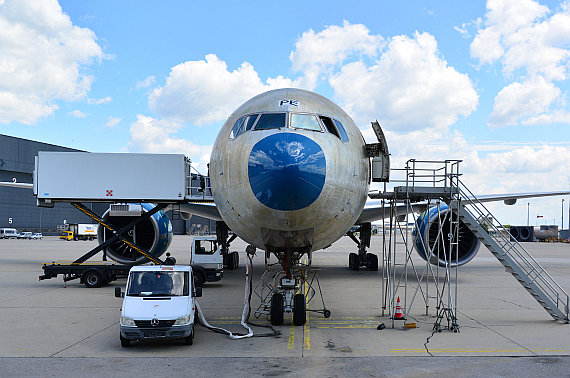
204	91
531	44
41	59
316	54
155	136
151	80
523	100
410	87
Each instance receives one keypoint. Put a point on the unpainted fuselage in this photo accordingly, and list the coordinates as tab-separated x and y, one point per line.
287	187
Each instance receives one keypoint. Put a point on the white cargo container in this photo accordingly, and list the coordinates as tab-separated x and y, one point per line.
110	177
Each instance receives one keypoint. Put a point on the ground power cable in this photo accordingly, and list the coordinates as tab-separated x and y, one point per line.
245	314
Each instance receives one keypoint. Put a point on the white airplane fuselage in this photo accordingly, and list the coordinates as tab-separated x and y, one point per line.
296	179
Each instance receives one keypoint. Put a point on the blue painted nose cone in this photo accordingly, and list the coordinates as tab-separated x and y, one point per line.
286	171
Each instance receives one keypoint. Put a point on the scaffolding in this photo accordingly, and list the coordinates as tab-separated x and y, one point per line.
428	187
448	212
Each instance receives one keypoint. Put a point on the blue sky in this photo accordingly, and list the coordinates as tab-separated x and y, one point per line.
485	82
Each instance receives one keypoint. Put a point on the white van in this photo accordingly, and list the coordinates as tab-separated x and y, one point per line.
6	233
159	303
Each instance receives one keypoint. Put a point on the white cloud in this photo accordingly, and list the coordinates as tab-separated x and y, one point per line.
523	100
41	59
154	136
316	54
77	114
409	88
99	101
145	83
205	91
529	42
113	121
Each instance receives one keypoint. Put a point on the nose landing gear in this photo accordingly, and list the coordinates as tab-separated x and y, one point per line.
283	290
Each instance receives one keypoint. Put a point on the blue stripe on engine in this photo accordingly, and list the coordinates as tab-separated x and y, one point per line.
286	171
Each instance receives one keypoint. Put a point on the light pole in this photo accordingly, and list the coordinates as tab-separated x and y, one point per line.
527	214
562	213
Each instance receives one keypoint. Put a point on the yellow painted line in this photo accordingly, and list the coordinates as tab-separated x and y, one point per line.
306	332
291	343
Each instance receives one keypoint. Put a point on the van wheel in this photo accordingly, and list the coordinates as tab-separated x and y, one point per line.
125	342
189	340
92	279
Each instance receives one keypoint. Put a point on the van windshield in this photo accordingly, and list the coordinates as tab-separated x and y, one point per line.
158	283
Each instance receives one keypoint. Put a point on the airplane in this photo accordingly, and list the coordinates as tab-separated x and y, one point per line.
290	174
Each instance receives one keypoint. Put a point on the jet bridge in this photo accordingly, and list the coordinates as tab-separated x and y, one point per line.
434	190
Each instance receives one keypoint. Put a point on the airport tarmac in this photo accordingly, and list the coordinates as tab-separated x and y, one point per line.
49	326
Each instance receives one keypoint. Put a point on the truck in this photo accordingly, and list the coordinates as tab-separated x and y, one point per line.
206	259
159	303
78	231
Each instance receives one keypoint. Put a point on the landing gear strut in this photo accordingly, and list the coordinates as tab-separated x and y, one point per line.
230	259
362	258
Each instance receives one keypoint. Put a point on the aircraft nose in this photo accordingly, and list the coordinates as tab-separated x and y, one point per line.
286	171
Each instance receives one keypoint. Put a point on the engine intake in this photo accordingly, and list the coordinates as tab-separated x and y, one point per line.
154	234
427	233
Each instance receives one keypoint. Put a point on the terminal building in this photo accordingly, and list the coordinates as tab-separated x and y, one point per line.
18	208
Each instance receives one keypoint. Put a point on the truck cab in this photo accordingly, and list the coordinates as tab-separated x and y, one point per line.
206	259
159	303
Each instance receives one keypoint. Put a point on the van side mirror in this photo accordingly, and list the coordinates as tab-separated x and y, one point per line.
198	291
118	293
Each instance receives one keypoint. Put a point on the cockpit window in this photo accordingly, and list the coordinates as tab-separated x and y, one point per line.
305	121
341	130
235	129
249	121
334	127
330	126
270	121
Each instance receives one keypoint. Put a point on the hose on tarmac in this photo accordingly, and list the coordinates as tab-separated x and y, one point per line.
246	310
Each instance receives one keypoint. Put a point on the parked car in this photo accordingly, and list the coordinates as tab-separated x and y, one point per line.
25	235
37	235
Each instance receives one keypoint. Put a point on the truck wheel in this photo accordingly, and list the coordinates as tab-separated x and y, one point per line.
125	342
189	340
276	313
235	258
299	310
199	278
92	278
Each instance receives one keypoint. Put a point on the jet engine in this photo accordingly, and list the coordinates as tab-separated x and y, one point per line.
433	229
154	234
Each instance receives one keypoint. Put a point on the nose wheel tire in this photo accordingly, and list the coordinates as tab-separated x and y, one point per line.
299	310
276	312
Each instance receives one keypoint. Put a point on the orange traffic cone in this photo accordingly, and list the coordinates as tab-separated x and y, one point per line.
399	314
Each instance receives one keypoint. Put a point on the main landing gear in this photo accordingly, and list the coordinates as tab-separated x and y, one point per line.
362	259
230	259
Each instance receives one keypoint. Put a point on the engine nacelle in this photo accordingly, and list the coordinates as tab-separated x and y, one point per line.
153	234
426	232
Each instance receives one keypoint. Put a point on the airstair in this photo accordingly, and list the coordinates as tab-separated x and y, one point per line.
516	260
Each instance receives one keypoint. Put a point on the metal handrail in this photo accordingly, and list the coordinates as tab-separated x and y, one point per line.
525	260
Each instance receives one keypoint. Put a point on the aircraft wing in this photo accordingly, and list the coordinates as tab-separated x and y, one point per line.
511	199
374	213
